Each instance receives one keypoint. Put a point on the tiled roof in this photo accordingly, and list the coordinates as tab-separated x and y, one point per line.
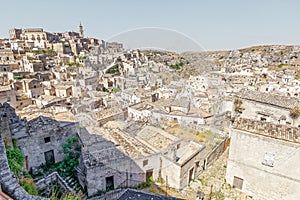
276	100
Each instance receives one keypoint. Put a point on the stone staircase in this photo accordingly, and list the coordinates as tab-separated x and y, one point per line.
74	184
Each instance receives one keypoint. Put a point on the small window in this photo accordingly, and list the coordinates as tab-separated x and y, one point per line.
238	182
47	139
178	146
268	159
145	162
263	119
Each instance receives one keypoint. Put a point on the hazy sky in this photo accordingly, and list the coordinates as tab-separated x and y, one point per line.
213	24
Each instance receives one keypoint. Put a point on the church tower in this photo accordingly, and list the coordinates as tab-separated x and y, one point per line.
81	30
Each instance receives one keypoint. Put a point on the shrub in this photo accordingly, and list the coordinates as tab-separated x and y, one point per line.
218	195
29	186
295	113
15	158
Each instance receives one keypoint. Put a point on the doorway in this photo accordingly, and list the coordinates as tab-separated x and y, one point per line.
109	183
49	157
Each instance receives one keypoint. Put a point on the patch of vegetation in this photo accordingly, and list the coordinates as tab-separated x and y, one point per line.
115	90
105	89
74	63
72	151
31	58
56	195
114	69
49	167
82	57
19	77
280	65
177	66
29	186
15	158
219	195
48	51
238	103
203	181
295	113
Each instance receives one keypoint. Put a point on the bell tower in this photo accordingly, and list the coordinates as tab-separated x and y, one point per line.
81	30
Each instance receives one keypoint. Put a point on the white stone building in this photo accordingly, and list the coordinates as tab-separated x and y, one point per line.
264	160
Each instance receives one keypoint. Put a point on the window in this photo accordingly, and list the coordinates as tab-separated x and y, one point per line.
268	159
47	139
145	162
178	146
263	119
238	182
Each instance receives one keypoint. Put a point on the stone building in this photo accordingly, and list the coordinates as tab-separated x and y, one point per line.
37	36
63	90
7	94
267	107
8	60
34	65
264	160
15	33
127	156
30	87
41	139
104	167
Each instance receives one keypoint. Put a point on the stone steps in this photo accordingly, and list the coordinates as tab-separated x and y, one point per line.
73	183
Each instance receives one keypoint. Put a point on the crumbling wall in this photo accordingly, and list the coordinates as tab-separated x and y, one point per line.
10	184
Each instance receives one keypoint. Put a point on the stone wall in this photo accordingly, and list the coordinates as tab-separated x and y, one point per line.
10	184
124	172
264	158
45	185
34	146
215	153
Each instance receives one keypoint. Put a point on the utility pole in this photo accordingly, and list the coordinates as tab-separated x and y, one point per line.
210	194
126	178
166	185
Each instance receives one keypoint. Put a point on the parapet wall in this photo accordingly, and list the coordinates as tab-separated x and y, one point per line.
9	184
278	131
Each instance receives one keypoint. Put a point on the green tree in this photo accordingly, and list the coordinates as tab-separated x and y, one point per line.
72	151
